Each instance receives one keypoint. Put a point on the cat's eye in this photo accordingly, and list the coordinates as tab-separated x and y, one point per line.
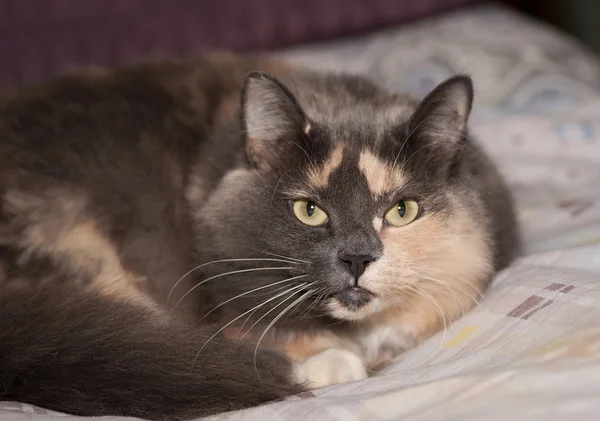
309	213
403	213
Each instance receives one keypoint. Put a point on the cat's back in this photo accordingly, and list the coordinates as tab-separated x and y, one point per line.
93	122
84	160
90	123
98	161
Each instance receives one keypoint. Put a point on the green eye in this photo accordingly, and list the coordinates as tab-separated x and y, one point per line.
403	213
309	213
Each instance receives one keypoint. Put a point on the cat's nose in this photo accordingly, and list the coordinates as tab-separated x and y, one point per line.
357	263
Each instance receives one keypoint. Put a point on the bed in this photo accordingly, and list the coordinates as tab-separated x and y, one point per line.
531	349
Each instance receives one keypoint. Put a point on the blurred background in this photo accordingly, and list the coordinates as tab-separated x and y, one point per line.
579	17
523	55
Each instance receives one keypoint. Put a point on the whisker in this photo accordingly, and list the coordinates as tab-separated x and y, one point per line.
270	325
419	292
266	314
223	261
246	312
226	274
314	304
268	292
407	139
446	288
456	287
435	289
282	256
434	302
279	181
407	160
249	292
244	324
315	292
311	160
250	316
463	281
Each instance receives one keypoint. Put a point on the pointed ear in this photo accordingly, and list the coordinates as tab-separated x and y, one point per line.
442	116
271	119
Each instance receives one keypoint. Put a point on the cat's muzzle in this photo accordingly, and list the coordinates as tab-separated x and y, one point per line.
355	297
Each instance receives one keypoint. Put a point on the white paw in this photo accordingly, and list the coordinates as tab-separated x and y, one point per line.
329	367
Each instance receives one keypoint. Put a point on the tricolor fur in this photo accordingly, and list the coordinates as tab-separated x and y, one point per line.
150	260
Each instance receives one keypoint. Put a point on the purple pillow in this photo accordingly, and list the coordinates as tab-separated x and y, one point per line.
39	38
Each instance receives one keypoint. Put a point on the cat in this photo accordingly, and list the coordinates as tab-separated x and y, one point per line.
179	239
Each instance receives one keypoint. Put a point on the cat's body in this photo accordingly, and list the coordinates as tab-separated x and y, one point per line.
114	186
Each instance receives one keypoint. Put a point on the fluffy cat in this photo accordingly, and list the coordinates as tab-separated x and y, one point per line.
168	251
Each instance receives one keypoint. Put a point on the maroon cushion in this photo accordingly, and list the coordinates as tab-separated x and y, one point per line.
42	37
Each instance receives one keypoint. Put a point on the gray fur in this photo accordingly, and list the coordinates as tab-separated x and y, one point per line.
145	174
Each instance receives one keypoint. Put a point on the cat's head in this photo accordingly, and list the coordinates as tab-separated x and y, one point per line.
351	200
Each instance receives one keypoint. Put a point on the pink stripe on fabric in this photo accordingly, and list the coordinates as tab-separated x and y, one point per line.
525	306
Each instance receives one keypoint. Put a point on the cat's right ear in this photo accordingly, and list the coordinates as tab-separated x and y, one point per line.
272	120
441	118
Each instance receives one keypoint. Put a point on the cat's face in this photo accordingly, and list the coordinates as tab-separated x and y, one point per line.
356	199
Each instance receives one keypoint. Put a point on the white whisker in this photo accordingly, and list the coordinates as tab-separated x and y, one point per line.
279	181
407	160
246	312
314	304
251	314
226	274
249	292
453	287
407	139
434	302
270	292
266	314
462	280
270	325
444	289
254	259
282	256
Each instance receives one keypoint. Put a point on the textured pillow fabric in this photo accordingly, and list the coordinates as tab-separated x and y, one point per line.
39	38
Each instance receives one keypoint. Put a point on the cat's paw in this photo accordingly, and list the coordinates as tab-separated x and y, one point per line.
329	367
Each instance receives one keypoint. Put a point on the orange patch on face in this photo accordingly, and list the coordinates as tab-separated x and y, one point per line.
318	178
432	270
381	177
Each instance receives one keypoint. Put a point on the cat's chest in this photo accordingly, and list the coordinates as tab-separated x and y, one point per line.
376	344
381	343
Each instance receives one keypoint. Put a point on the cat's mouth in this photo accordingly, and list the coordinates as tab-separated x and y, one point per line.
354	298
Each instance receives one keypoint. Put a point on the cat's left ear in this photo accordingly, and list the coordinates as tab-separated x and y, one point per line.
442	116
272	119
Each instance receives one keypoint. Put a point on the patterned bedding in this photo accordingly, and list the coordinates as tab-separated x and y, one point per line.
531	349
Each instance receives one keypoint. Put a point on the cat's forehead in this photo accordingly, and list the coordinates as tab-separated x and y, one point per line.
359	117
348	169
347	101
357	134
358	152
